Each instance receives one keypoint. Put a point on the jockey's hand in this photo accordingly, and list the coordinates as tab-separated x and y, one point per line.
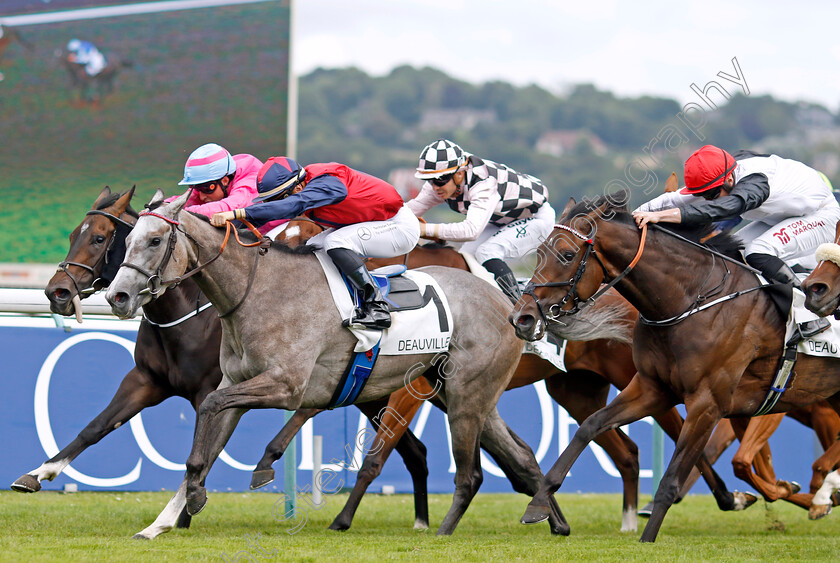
665	216
219	219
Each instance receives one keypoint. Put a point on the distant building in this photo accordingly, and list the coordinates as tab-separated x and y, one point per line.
455	119
558	143
407	185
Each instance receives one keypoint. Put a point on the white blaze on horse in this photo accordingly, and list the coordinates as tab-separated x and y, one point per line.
283	347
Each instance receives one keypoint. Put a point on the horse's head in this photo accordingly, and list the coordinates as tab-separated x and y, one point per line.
97	247
154	254
822	287
569	270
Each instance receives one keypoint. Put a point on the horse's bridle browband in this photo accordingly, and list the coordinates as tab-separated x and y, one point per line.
556	311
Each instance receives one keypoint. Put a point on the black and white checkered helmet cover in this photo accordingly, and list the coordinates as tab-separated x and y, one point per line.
439	158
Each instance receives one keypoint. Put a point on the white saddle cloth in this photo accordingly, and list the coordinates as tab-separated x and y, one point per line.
824	344
415	331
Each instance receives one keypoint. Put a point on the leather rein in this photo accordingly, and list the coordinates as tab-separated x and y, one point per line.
154	282
556	310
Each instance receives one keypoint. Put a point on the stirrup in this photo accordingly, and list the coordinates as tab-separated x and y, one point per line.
366	319
812	328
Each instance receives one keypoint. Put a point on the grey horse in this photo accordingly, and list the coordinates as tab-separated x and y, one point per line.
283	347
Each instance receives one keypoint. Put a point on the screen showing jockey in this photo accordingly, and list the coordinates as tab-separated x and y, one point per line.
85	53
790	206
507	213
219	181
363	216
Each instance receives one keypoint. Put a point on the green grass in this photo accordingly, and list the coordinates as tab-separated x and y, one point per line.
98	526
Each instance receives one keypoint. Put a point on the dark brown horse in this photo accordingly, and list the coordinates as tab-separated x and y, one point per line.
10	36
707	337
592	365
168	331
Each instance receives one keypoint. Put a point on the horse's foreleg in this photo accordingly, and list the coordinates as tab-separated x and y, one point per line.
581	394
821	503
465	428
671	423
824	464
136	392
701	418
391	424
640	398
264	474
218	416
517	460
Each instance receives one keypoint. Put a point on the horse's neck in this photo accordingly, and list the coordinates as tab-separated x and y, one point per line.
444	256
226	280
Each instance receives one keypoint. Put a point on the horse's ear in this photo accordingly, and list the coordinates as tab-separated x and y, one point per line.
568	207
124	200
177	204
106	191
672	184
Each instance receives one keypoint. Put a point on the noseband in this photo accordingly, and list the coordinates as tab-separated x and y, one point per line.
106	257
556	310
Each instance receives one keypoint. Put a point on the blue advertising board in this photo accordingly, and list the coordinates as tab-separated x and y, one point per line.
56	381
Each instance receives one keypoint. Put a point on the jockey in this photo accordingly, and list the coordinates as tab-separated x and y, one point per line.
791	207
362	216
86	54
219	181
507	213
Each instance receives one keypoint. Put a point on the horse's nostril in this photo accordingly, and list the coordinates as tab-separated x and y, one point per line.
525	321
817	289
121	298
61	295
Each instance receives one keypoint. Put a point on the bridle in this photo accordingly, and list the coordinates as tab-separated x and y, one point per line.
107	259
556	310
155	283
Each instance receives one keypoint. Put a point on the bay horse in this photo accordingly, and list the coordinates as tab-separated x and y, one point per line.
9	35
271	358
718	360
177	326
822	297
598	354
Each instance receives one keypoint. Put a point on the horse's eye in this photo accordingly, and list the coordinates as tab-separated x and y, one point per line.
98	239
155	242
567	256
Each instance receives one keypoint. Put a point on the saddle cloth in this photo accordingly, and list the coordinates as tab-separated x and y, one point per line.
826	343
546	349
424	328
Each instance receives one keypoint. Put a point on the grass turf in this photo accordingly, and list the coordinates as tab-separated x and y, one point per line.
98	526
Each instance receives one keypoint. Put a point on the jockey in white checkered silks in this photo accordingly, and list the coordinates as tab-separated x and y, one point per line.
507	213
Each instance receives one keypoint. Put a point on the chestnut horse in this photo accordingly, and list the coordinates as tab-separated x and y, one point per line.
720	360
591	366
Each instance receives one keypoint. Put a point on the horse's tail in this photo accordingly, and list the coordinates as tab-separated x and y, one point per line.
26	44
127	64
608	322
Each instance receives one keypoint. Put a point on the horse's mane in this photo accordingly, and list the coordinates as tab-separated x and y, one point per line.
615	207
111	200
247	235
437	245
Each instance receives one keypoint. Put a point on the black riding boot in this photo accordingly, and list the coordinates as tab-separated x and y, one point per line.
774	269
374	312
504	277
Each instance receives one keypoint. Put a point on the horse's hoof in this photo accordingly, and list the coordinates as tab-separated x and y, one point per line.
743	500
27	484
196	501
794	487
561	530
339	526
535	514
646	510
261	478
139	537
420	524
818	511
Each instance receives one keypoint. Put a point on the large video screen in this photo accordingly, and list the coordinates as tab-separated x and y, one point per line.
174	79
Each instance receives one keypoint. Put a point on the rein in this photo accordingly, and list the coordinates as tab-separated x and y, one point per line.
577	303
154	283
